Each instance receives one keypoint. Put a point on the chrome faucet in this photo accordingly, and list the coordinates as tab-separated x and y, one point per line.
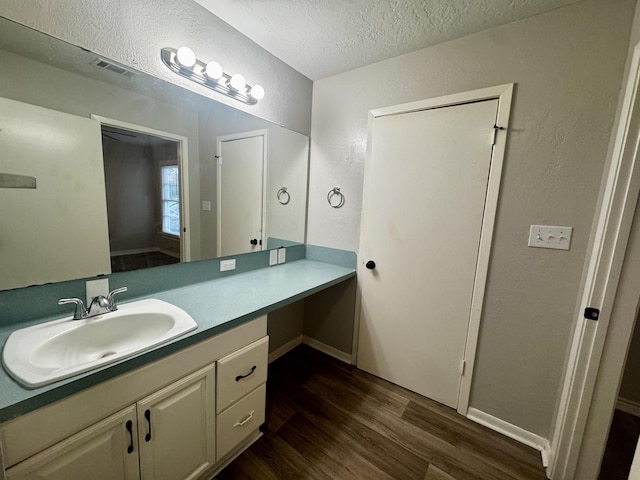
98	305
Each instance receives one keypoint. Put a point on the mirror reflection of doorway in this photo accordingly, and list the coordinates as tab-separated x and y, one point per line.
142	180
240	193
624	431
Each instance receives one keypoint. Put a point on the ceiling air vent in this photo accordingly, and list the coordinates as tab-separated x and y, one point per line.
112	67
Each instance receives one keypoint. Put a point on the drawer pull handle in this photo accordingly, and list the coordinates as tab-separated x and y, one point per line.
147	415
240	377
245	421
129	426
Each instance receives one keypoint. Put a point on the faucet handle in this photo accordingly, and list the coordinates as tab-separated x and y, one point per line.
81	311
98	306
112	302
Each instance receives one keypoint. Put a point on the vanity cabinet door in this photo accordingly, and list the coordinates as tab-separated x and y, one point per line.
105	451
176	426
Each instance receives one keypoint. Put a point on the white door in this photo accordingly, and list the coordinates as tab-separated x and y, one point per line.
634	474
39	242
425	187
240	192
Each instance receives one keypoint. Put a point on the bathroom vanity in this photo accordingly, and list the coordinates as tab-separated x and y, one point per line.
183	410
175	418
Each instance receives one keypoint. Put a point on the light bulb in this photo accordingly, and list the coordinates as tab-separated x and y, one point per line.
257	92
237	82
213	70
186	57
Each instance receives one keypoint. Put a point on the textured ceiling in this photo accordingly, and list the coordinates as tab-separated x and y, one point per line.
320	38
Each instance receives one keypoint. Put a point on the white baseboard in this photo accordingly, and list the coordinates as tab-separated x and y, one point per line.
628	406
518	434
545	453
134	251
287	347
324	348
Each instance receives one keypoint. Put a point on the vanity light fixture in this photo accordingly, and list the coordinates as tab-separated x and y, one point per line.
184	62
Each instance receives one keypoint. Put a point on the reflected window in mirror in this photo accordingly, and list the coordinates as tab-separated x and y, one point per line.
170	200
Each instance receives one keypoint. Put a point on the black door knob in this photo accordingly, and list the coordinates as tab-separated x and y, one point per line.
254	241
370	265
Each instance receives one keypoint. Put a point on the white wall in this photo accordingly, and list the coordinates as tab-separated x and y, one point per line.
133	32
288	163
325	319
567	65
284	325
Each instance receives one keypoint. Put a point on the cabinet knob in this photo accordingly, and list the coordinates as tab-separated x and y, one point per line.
370	265
253	241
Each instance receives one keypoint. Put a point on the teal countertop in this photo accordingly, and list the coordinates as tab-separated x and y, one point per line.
216	305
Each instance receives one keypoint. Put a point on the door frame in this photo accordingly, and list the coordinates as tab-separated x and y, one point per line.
603	288
183	165
504	94
239	136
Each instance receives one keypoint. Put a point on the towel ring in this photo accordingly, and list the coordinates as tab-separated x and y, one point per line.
284	197
335	192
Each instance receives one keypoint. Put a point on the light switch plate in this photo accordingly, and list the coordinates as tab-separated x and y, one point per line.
282	255
273	257
544	236
226	265
95	288
206	205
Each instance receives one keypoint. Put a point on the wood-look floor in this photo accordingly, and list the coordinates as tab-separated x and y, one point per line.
329	420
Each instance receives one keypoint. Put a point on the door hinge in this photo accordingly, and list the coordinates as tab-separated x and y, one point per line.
591	313
463	367
219	158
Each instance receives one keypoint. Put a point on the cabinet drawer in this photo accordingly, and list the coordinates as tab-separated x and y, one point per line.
241	372
240	420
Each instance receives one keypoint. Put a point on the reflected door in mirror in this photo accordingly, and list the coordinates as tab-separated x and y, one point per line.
241	159
45	237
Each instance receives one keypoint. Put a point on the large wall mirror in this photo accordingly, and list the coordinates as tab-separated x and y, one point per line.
130	171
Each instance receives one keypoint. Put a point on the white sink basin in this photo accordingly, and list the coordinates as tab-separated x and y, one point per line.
48	352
